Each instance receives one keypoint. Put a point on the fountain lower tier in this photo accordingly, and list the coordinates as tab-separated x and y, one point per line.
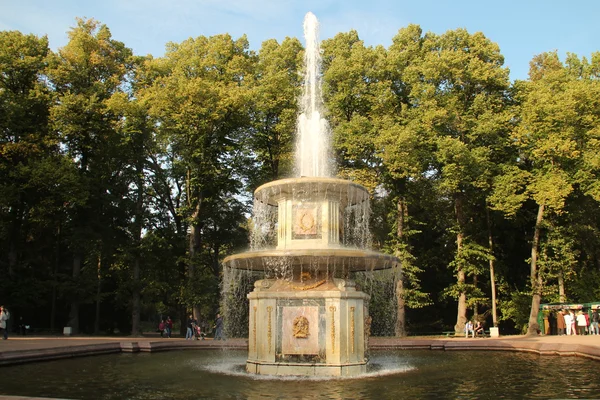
332	259
302	320
307	328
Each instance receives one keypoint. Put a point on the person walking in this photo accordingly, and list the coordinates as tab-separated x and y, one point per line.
219	328
4	317
586	314
169	324
594	323
162	328
191	323
581	323
560	323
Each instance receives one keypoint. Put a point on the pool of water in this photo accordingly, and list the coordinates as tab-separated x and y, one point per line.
204	374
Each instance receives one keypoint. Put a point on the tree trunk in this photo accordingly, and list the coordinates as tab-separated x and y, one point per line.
54	277
475	305
12	256
400	328
461	316
74	312
98	295
561	287
535	276
195	241
492	267
13	238
136	329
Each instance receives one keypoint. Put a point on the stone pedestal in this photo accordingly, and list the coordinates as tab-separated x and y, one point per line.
308	328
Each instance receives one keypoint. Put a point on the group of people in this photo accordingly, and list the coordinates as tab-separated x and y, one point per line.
194	330
570	323
473	329
165	327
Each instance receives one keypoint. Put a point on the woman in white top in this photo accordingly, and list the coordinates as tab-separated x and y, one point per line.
568	323
581	323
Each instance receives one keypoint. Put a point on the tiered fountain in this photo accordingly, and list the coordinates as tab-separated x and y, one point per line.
306	317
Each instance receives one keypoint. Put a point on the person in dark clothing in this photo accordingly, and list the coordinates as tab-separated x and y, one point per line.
162	328
191	325
219	328
594	323
169	328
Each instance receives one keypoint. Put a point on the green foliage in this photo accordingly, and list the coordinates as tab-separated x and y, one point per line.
125	180
380	286
516	309
274	108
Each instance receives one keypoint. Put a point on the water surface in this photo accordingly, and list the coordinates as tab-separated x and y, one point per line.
210	374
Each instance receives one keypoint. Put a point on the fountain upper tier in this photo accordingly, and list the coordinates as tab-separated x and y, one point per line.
312	213
310	188
319	223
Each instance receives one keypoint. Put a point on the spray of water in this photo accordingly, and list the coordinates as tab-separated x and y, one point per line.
313	147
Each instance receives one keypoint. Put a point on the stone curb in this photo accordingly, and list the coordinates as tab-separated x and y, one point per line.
12	357
544	349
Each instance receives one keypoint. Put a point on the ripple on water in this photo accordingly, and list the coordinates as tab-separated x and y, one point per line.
237	368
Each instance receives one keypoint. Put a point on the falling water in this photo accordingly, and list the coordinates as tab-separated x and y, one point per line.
313	148
341	208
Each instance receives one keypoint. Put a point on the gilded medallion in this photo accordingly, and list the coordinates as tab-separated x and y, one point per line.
301	327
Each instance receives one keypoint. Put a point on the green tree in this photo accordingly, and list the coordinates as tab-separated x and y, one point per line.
405	151
36	180
460	90
274	108
85	74
558	124
199	100
25	139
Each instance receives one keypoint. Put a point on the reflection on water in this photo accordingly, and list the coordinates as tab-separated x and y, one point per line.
203	374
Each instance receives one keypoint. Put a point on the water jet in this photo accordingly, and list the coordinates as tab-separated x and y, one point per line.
307	317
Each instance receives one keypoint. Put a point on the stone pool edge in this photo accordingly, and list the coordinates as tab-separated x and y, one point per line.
536	345
12	357
519	344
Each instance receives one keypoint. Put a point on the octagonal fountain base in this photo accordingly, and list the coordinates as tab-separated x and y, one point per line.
299	369
314	327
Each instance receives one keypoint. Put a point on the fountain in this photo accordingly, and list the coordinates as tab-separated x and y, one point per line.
310	233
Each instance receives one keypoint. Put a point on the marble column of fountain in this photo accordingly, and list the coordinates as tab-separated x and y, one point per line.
307	317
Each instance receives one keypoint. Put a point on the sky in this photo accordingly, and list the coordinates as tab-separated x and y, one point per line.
522	28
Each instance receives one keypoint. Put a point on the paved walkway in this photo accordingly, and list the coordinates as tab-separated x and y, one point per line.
19	349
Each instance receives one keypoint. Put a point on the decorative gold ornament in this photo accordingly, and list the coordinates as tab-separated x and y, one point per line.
305	276
269	309
308	287
332	309
352	329
306	221
300	327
